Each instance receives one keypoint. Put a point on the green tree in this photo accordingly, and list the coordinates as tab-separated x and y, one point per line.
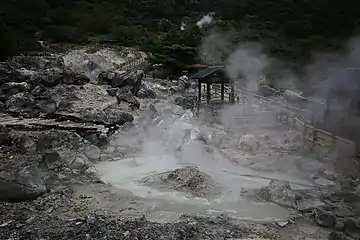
175	48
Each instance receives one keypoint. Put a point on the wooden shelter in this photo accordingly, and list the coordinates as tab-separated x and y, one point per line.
195	68
214	75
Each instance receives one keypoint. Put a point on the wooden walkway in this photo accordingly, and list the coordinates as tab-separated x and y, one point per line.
303	121
299	119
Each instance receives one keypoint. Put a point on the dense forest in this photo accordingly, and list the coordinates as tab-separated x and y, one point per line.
289	29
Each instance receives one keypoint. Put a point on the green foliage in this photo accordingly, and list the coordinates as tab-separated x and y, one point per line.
175	48
288	29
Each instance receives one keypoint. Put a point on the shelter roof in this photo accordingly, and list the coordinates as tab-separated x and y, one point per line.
197	65
207	72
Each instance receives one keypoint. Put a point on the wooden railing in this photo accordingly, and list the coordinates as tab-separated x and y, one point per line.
306	125
299	119
132	64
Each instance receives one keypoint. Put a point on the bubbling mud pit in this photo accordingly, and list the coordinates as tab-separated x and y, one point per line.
183	164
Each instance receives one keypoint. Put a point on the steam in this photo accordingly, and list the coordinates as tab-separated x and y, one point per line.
329	68
337	71
205	20
171	133
248	62
183	26
215	49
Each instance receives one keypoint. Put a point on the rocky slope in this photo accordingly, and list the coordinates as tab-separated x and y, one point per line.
48	108
57	118
64	113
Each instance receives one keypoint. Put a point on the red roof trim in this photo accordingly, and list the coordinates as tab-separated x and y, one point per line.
197	65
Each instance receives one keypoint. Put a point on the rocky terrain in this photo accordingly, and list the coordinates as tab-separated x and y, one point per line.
187	179
72	122
58	112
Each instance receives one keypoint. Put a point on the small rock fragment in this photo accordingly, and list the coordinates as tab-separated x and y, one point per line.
51	160
93	153
249	144
282	224
79	163
112	91
127	233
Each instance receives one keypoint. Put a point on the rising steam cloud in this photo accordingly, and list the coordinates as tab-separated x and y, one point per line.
183	26
325	72
328	68
215	48
205	20
339	71
247	62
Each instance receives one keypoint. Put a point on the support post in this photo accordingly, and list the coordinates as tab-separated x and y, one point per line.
314	133
208	93
232	99
333	139
222	92
199	95
314	137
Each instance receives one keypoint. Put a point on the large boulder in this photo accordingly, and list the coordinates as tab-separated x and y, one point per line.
113	78
186	101
325	218
248	143
37	62
145	91
105	77
51	160
138	77
11	88
74	78
19	86
5	69
53	76
127	96
17	75
281	193
352	227
278	192
120	79
20	102
47	106
108	116
183	83
20	187
49	77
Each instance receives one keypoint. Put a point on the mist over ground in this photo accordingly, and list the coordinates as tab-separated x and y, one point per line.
91	147
247	63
